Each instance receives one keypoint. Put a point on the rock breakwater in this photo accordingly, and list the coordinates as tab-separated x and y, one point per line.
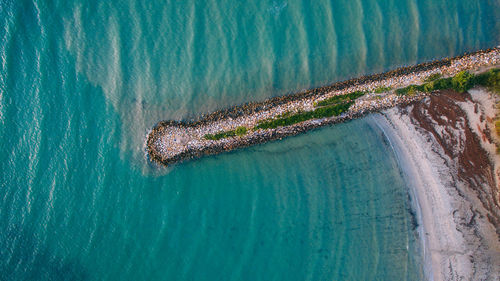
173	141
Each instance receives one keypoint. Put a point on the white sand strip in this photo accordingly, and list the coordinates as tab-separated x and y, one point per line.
451	252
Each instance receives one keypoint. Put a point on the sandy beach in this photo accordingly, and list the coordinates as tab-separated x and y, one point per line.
447	153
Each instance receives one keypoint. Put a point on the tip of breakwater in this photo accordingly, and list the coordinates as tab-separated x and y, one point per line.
165	140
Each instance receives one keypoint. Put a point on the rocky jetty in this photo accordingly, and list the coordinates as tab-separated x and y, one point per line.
173	141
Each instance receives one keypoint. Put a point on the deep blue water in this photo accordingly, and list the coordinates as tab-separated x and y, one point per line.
82	82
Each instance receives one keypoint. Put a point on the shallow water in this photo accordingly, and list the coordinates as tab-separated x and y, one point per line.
81	83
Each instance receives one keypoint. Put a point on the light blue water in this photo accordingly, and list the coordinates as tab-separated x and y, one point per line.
81	83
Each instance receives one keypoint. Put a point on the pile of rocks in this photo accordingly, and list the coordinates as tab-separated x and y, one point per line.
172	141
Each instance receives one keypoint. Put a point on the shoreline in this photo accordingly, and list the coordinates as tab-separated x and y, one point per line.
457	204
442	140
404	158
170	142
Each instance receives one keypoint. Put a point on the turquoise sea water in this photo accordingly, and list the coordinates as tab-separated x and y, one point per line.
81	83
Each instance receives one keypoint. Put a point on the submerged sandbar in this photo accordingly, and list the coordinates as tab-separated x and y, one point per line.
254	123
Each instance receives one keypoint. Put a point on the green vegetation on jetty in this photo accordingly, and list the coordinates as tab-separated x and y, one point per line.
333	106
382	89
340	98
461	82
301	116
239	131
329	107
491	79
339	104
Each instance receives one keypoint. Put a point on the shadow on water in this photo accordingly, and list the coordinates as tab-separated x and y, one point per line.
22	256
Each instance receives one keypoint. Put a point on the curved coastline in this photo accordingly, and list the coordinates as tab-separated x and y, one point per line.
170	142
448	157
454	189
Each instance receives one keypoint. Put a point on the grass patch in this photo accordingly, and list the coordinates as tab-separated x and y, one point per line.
339	99
461	82
322	112
220	135
410	90
382	89
239	131
490	79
